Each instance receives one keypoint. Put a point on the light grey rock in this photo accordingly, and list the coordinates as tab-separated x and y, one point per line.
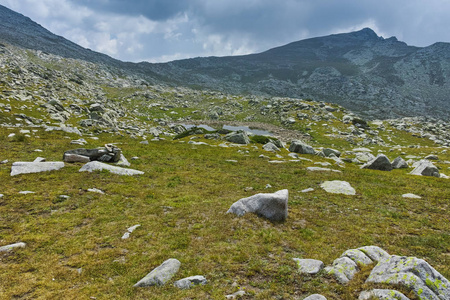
4	162
298	146
236	295
411	196
126	235
271	147
273	206
359	257
11	247
399	163
413	273
338	187
188	282
364	156
432	157
308	190
309	266
319	169
315	297
1	195
425	168
382	295
160	275
343	269
133	228
73	158
361	150
381	162
123	162
99	166
375	253
239	137
323	164
329	151
96	190
39	159
144	142
35	167
79	142
26	192
109	153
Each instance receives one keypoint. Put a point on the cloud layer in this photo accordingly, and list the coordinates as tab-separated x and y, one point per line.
163	30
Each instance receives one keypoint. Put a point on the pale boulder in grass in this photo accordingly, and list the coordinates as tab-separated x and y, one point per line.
11	247
309	266
188	282
425	168
273	206
338	187
160	275
381	162
315	297
382	295
22	167
98	166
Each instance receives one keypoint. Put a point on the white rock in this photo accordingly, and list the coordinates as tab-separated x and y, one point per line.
338	187
98	166
95	190
11	247
35	167
188	282
412	196
160	275
309	266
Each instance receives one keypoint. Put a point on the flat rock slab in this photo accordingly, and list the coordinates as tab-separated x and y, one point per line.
413	273
11	247
160	275
272	206
188	282
22	167
319	169
411	196
338	187
309	266
98	166
315	297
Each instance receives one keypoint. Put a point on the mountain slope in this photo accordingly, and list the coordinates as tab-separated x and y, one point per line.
373	76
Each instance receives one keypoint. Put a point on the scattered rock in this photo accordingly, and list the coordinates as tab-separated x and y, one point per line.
413	273
381	162
236	295
315	297
238	137
338	187
79	142
11	247
412	196
399	163
307	190
329	151
26	192
343	269
35	167
382	295
126	235
39	159
96	190
319	169
188	282
425	168
271	147
298	146
109	153
123	162
160	275
432	157
98	166
273	206
309	266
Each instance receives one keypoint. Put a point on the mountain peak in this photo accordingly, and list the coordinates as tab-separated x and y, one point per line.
366	34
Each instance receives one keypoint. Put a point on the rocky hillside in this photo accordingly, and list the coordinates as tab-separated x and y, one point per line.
375	77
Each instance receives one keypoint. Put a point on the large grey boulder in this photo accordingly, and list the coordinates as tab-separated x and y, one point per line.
22	167
425	168
309	266
73	158
160	275
273	206
364	157
399	163
298	146
338	187
271	147
343	269
238	137
413	273
188	282
381	162
382	295
109	153
98	166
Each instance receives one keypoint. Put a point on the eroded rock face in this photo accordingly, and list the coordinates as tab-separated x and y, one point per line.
273	206
160	275
413	273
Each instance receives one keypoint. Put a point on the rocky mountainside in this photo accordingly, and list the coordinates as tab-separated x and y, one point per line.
375	77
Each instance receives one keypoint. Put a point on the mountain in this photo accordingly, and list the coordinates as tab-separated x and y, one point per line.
373	76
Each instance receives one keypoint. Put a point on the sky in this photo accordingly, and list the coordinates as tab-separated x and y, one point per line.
166	30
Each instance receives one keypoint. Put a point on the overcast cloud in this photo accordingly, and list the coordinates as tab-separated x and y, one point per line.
164	30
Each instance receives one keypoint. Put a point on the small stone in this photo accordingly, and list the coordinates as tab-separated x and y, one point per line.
160	275
95	190
235	295
11	247
319	169
39	159
26	192
188	282
382	295
411	196
126	235
432	157
309	266
315	297
308	190
144	142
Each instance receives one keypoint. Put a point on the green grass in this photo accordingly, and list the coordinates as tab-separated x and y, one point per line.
180	203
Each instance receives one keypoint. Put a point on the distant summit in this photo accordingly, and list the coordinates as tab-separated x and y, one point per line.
374	76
